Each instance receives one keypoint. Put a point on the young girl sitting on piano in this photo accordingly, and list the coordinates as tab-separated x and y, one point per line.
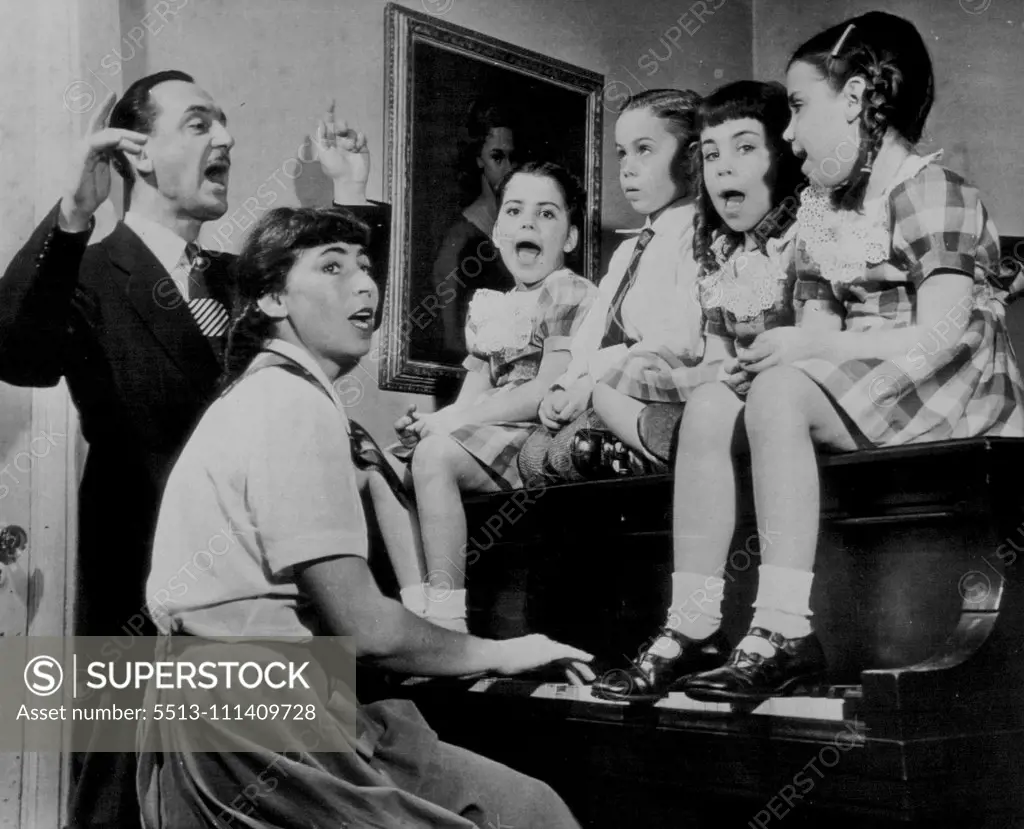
647	300
519	343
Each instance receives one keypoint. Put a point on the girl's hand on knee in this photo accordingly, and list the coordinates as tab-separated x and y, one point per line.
776	347
404	427
406	420
578	398
442	422
735	376
547	411
527	653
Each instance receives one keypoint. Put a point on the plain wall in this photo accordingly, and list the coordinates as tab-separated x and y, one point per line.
275	66
979	81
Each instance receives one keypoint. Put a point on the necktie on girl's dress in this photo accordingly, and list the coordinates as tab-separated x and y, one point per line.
366	454
209	314
614	328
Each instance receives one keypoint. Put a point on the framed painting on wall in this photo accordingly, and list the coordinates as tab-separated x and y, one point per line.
462	109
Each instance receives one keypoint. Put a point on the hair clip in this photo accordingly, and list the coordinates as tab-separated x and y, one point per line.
839	43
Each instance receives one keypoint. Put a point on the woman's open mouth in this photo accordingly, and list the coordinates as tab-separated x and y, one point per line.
363	320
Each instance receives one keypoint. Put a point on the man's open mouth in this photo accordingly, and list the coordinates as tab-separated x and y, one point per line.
217	171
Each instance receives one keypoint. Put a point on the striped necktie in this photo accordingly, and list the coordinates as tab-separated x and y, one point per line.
209	314
614	328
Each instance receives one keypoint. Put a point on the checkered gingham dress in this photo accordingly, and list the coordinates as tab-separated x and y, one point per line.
961	378
562	302
651	376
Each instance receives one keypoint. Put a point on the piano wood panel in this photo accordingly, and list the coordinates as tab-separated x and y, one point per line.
914	604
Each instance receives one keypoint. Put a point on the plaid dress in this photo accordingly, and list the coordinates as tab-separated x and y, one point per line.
751	292
961	378
508	334
651	376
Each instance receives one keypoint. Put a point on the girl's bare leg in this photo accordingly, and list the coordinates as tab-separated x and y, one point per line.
787	416
442	470
704	499
704	517
704	510
620	413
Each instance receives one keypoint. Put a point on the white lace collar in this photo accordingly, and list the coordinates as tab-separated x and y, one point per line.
841	244
747	282
503	320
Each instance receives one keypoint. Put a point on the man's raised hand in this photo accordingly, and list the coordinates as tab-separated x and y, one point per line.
344	157
90	177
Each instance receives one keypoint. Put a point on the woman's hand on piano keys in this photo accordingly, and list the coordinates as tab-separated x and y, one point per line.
528	653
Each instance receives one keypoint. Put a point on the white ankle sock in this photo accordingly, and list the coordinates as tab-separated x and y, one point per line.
456	625
414	599
696	608
445	605
782	606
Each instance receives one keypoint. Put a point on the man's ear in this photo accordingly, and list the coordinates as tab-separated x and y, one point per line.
142	163
571	240
853	97
273	305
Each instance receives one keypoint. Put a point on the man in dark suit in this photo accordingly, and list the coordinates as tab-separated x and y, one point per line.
136	325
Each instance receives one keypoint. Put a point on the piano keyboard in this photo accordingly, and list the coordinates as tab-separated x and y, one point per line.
802	708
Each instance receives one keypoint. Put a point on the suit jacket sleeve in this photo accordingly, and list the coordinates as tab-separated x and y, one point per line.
37	293
377	216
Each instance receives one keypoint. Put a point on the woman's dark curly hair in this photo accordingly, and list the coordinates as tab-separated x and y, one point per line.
890	55
262	268
767	103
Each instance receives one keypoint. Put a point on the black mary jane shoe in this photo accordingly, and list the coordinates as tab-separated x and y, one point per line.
796	665
597	454
651	676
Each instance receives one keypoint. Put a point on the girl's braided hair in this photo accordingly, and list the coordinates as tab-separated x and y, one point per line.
890	55
678	109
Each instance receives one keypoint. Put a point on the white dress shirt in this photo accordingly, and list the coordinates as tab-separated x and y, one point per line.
166	245
661	310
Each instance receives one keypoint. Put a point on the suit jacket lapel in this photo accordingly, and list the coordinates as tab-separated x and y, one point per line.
159	303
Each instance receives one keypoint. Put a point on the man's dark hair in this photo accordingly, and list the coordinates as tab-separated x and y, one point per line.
137	112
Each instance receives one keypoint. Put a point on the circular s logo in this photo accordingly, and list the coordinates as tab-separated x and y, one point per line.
974	587
43	676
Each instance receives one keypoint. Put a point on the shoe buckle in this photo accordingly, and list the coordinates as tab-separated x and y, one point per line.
776	640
